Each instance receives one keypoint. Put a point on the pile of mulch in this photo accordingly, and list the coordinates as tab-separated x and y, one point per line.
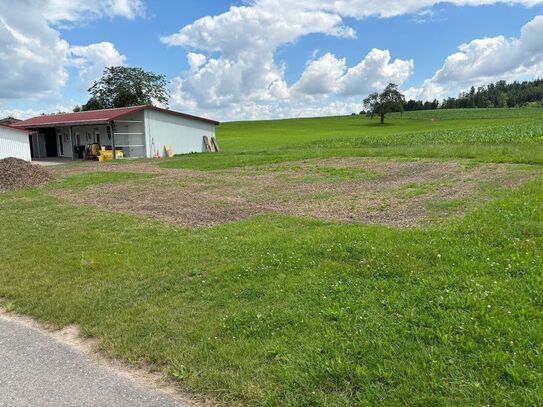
17	174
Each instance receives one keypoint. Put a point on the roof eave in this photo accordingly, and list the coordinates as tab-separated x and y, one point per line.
181	114
63	124
102	121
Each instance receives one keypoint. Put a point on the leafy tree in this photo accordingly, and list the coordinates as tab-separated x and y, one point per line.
122	86
370	103
390	100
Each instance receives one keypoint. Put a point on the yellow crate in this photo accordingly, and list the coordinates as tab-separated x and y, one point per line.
106	155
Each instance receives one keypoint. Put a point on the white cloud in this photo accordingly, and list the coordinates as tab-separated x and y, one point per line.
75	10
486	60
33	55
239	71
322	76
92	59
22	114
246	38
375	72
330	75
196	60
380	8
236	70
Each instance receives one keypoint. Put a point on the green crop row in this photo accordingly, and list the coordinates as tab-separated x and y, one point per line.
519	133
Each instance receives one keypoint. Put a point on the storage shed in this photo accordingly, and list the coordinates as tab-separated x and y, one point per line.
138	131
14	143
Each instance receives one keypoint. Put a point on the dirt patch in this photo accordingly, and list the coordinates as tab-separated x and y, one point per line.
339	189
17	174
176	205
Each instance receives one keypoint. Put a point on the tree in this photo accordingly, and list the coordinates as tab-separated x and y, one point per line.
371	103
390	100
122	86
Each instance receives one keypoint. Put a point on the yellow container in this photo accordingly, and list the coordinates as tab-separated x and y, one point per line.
106	155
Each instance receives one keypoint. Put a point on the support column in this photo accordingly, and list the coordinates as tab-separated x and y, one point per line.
113	155
72	143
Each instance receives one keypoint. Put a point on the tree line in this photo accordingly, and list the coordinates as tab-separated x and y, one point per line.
499	94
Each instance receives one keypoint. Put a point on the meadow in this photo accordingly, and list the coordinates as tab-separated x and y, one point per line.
485	135
421	284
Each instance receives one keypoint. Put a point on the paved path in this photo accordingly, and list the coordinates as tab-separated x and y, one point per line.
36	370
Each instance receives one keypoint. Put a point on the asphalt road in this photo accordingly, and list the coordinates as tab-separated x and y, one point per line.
36	370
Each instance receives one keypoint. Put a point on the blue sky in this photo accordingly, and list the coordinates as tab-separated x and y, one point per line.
252	60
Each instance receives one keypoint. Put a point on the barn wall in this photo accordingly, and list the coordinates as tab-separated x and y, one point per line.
183	134
88	134
67	149
14	143
81	135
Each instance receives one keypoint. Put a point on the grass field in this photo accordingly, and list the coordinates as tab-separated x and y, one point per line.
326	261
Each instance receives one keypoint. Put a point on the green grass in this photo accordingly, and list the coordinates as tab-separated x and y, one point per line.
93	178
283	311
417	189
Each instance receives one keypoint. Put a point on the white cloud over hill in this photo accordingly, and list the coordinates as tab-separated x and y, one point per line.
487	60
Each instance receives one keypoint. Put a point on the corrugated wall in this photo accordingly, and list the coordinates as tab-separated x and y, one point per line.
14	143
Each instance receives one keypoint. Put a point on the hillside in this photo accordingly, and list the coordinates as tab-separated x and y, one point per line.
462	133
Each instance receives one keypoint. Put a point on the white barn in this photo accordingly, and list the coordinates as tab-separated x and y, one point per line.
139	131
14	143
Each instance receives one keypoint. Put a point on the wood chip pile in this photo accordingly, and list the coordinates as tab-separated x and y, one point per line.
17	174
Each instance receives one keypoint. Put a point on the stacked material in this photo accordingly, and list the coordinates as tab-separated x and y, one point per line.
16	174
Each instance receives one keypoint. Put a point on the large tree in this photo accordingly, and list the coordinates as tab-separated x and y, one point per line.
390	100
122	86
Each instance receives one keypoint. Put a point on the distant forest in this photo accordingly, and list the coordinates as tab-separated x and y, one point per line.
499	94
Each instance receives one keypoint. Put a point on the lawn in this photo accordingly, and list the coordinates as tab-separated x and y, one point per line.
301	282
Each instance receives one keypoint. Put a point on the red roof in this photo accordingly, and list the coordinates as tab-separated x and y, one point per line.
97	116
13	128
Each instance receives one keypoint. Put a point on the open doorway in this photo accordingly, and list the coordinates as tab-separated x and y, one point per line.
51	142
44	143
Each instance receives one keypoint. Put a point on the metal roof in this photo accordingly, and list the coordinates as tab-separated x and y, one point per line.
97	117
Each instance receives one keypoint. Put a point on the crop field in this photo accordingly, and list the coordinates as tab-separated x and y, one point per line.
312	262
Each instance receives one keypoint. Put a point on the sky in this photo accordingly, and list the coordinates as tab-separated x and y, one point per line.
260	59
